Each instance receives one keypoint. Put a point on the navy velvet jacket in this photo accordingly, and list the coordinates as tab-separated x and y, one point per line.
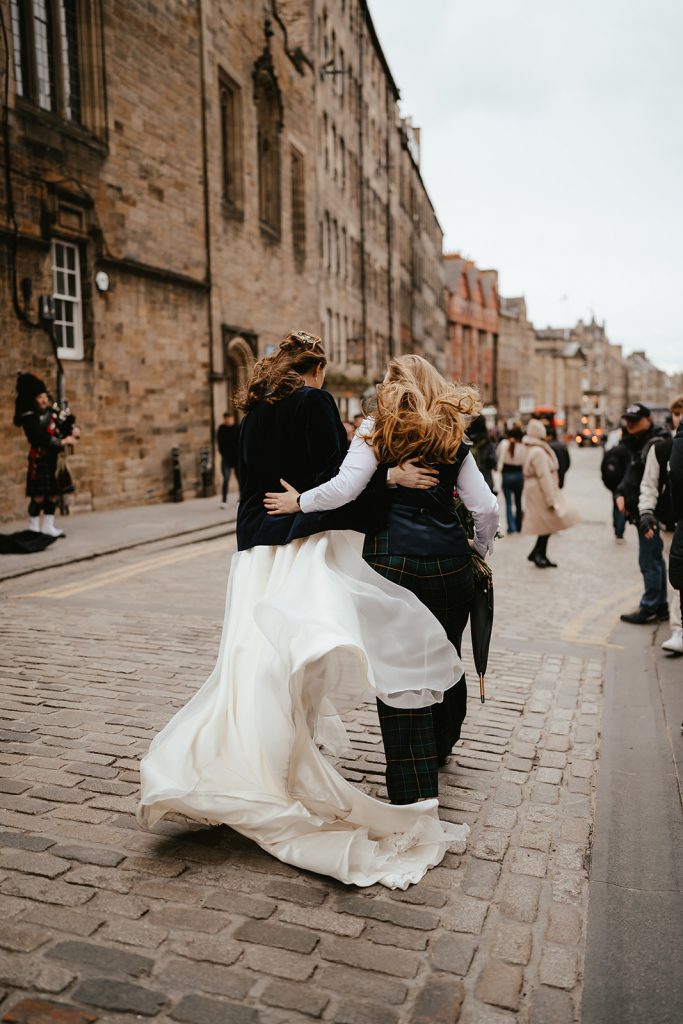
302	440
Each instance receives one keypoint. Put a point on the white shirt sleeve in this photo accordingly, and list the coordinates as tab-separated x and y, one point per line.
649	485
354	475
481	502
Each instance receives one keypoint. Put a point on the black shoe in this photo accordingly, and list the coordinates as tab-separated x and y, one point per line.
663	613
541	562
640	618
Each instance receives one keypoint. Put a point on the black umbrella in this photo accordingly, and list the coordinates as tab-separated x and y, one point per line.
481	618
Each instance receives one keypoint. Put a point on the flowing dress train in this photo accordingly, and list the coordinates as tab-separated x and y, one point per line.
309	632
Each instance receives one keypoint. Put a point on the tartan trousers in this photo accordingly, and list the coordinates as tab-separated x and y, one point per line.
417	741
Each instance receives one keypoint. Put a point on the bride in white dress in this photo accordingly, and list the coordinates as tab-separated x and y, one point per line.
309	632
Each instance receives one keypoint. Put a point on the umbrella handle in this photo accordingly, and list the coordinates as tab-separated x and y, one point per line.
482	694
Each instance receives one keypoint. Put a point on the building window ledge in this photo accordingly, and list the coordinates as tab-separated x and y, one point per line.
269	233
232	212
35	115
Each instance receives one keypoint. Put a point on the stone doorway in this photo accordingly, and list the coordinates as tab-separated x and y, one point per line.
240	353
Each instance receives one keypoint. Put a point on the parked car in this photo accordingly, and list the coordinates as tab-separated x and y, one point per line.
590	437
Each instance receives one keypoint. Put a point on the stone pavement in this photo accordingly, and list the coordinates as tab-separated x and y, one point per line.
104	921
91	534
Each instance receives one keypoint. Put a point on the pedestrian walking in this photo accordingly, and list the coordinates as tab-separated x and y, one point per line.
418	542
50	432
546	509
227	439
511	454
350	429
310	631
675	643
656	514
640	433
614	464
483	449
561	450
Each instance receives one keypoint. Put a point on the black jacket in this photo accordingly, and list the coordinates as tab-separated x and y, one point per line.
564	459
637	446
300	439
676	473
228	441
46	429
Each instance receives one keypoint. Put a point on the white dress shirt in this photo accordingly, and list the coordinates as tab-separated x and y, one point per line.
359	466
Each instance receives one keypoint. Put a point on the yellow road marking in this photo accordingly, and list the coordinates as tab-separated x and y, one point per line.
110	576
597	608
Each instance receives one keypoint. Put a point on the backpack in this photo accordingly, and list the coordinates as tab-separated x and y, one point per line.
613	467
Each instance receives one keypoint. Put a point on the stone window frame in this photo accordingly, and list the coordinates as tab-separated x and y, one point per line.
326	143
269	125
342	163
344	254
232	143
298	205
335	152
327	241
67	293
71	41
334	246
327	333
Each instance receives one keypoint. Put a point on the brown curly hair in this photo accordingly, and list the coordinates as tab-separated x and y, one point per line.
420	414
281	374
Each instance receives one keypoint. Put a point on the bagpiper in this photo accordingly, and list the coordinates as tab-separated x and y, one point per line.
49	431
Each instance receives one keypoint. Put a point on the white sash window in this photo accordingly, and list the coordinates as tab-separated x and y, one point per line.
66	278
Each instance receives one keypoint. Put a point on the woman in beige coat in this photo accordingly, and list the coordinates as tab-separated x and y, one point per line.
546	510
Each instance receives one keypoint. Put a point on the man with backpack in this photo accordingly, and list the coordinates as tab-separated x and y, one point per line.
640	434
657	515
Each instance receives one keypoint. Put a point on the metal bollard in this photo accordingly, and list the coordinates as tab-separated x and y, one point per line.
206	472
177	492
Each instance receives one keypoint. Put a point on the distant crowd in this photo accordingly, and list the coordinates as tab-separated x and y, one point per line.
642	466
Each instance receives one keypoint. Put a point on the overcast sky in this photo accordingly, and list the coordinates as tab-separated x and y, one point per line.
552	149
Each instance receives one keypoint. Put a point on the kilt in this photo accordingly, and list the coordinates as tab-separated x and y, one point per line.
40	475
418	741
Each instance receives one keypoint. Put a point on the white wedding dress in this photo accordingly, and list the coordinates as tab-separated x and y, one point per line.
309	632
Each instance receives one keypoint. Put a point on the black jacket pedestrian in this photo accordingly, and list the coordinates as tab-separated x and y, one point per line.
300	439
228	441
676	473
563	459
637	446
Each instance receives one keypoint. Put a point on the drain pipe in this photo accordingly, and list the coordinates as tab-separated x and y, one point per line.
207	230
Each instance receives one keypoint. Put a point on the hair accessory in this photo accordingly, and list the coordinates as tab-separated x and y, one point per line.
305	337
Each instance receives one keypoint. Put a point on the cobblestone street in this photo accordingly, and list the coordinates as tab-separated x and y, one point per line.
102	921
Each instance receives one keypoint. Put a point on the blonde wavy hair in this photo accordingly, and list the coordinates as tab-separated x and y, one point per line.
420	414
281	374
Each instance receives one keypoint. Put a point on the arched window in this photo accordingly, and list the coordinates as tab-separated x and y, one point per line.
268	103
